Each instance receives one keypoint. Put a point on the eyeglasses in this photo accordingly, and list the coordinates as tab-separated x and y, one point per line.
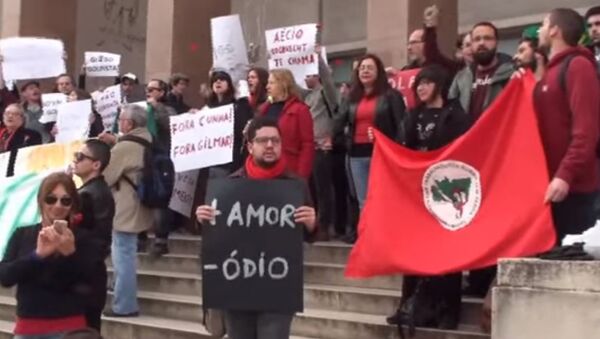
367	68
263	141
79	157
13	114
414	42
152	89
64	201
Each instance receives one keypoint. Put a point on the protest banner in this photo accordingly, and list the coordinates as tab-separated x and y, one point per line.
50	103
402	81
252	253
202	139
184	190
102	64
294	48
73	120
31	58
47	157
229	46
108	103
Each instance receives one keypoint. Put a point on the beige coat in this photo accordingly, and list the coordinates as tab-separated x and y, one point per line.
127	159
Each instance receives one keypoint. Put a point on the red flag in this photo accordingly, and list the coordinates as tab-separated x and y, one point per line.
402	81
462	207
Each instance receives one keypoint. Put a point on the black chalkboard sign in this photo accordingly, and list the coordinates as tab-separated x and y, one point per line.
252	255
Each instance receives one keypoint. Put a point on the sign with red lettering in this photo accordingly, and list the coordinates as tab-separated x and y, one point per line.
402	81
294	48
202	139
184	190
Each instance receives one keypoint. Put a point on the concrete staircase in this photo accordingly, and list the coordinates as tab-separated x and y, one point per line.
170	295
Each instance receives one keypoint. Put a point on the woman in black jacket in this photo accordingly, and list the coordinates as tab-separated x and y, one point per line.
434	123
49	263
222	92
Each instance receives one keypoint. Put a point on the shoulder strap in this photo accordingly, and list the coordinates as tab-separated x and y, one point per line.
564	70
137	140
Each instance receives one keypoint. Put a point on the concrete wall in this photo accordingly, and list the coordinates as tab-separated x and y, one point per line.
116	26
537	299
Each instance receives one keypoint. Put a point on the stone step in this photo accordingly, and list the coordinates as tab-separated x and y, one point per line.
314	272
334	252
6	329
312	323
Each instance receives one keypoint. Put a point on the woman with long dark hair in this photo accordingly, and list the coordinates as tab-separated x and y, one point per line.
371	103
49	263
257	85
432	124
222	92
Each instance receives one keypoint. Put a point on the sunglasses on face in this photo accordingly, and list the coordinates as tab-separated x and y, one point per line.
152	89
79	157
64	201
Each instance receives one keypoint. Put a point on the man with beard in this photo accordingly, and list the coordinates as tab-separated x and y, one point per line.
593	21
568	120
479	84
528	56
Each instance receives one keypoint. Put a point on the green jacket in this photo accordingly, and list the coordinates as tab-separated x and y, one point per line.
462	86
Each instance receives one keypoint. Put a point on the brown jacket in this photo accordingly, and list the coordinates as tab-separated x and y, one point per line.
127	159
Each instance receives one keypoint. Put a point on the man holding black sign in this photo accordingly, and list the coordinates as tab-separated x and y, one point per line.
268	273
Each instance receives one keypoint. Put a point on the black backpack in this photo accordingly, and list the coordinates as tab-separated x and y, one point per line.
158	175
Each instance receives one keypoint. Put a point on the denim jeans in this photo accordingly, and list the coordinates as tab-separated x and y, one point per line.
359	169
257	325
124	248
40	336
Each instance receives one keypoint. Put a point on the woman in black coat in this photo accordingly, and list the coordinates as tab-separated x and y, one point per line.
49	263
432	124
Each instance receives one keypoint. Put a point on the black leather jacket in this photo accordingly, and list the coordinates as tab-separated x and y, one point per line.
98	209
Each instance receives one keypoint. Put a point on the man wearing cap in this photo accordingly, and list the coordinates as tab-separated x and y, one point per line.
129	83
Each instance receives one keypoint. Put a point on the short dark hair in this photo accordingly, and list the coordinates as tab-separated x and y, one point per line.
570	23
177	78
357	89
30	83
592	11
261	122
533	42
163	87
437	75
459	40
100	151
487	24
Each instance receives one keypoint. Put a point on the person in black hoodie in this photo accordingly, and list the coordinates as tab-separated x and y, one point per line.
98	209
222	92
14	135
433	124
49	263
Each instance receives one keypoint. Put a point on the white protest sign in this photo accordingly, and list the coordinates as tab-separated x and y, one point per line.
73	120
50	103
101	64
202	139
229	47
142	104
107	105
4	159
182	199
294	48
31	58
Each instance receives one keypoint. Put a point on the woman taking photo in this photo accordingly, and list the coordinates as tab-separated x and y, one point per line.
222	92
371	103
257	85
432	124
48	263
295	122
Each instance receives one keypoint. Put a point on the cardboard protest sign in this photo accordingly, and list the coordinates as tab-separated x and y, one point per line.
31	58
202	139
108	103
402	81
229	46
50	103
73	120
252	253
294	48
184	190
101	64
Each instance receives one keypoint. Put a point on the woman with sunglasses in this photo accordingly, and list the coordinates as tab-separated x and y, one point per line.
49	263
222	92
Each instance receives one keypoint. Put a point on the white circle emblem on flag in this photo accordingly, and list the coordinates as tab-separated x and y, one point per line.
452	193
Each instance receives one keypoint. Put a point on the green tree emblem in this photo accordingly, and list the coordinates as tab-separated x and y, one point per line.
454	191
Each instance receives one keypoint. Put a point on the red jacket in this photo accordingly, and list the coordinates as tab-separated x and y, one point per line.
298	142
569	122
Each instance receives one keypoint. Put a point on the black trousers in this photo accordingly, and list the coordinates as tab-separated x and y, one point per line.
574	215
322	182
341	192
444	289
97	298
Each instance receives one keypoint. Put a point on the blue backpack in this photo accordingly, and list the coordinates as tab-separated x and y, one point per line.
158	175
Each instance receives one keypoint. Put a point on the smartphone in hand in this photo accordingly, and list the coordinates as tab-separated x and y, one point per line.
60	226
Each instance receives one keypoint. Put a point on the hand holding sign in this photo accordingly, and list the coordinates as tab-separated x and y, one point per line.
100	64
306	215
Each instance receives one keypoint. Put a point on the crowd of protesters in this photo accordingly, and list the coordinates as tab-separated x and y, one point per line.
321	135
